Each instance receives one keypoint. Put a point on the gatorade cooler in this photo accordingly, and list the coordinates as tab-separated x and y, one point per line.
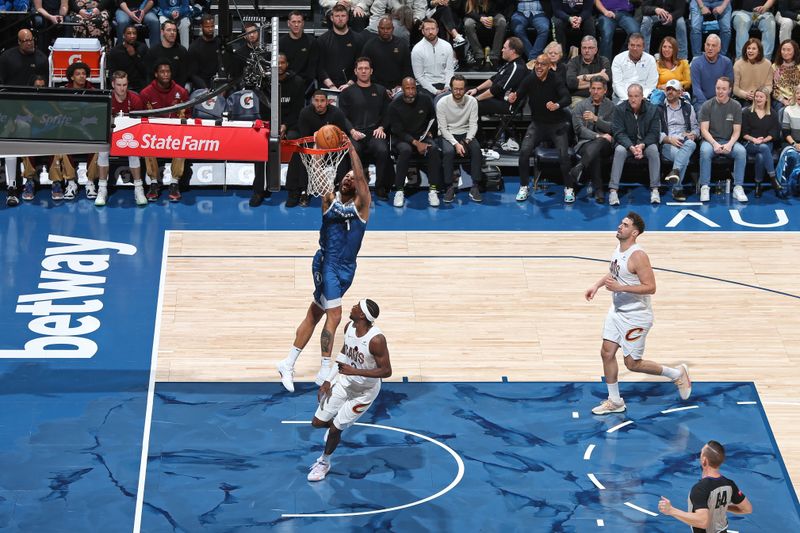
66	51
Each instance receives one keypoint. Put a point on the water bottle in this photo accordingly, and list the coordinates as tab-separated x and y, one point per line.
728	186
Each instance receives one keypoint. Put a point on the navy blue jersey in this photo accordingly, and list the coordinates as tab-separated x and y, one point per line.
341	233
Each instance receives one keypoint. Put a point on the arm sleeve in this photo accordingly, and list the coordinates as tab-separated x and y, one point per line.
572	74
604	122
396	125
620	87
418	65
652	78
558	11
449	69
473	118
738	496
564	99
441	118
697	76
699	497
695	124
618	127
653	129
648	9
581	133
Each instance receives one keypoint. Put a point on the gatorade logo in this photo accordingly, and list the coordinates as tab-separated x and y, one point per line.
210	103
246	100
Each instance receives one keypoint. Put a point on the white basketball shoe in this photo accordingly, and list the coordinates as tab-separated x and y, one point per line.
319	470
287	375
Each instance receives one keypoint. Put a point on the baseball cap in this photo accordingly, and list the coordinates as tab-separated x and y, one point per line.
674	84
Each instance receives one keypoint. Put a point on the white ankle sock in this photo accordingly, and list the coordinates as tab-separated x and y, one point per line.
613	392
326	362
325	458
671	373
294	353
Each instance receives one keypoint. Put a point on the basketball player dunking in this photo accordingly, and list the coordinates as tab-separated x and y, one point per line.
353	384
631	281
344	220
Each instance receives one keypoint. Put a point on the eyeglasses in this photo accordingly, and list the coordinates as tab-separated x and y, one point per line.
30	40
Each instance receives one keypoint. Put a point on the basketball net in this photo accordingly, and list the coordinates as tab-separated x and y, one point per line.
321	164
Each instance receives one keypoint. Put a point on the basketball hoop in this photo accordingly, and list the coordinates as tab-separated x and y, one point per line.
321	163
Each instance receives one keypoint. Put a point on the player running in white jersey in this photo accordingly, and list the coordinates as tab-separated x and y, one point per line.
353	383
631	281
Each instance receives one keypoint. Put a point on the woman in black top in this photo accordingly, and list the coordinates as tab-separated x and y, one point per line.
760	128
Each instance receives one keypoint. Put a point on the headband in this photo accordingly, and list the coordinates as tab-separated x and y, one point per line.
363	305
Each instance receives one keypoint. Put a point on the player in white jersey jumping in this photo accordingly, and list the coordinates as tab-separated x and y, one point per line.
631	281
353	383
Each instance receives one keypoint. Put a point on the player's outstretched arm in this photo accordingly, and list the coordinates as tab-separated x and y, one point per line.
363	197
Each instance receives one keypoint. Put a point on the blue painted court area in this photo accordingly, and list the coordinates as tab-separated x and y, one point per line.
224	458
78	301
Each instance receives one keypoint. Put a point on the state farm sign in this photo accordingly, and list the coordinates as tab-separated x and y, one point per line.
232	141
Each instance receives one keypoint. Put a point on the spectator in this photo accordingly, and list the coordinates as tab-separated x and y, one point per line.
555	54
404	14
716	10
707	69
204	55
754	13
721	125
760	128
142	13
791	130
164	92
312	117
411	119
170	50
785	74
583	68
547	97
390	57
357	12
613	14
300	49
364	104
532	15
787	17
633	65
292	90
670	67
440	11
179	12
679	135
19	65
432	61
128	56
751	71
492	93
572	20
93	19
483	19
669	14
636	130
457	116
249	42
338	49
49	14
591	120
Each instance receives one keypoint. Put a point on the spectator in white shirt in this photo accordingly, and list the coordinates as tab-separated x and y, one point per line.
432	60
633	66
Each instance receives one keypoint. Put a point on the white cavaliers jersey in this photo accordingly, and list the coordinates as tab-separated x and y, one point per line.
356	354
626	302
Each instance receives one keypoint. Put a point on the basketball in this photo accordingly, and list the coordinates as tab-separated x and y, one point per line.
328	136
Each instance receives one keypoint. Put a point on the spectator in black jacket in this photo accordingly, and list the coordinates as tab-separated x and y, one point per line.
128	56
47	19
669	14
204	55
636	128
390	56
338	49
170	50
571	20
492	93
292	91
787	17
19	65
365	104
300	48
411	122
582	68
249	42
547	97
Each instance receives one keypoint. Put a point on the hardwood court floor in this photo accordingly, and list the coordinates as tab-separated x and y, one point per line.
478	306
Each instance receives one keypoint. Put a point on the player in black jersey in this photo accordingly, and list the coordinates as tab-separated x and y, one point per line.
711	498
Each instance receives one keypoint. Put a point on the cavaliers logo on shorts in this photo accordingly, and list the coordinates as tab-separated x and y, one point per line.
360	407
634	334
